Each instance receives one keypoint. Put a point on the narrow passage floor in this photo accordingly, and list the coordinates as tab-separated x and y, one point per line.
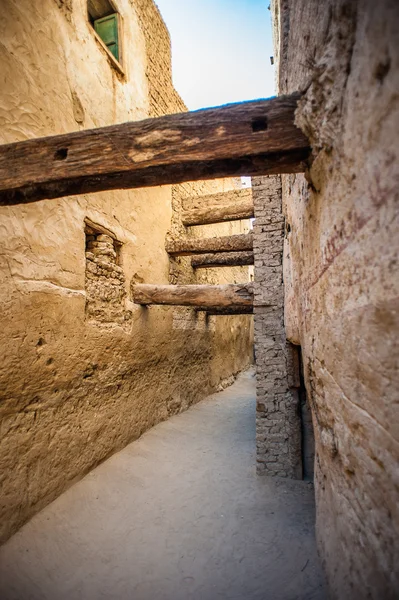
177	515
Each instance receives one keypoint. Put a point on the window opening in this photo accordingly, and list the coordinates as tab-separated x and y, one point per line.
105	21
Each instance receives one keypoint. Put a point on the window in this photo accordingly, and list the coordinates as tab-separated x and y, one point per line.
105	21
107	29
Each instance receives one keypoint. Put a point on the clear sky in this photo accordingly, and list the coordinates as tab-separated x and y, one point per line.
220	50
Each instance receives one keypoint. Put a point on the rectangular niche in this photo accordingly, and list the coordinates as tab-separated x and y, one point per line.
105	280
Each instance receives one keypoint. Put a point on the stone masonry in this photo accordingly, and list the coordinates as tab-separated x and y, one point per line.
278	425
105	280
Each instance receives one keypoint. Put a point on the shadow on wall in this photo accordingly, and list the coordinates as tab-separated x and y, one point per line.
307	432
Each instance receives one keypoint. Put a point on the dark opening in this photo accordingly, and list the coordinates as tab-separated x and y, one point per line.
307	433
61	154
259	125
99	8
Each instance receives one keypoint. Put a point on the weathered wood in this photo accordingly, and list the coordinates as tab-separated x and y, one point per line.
203	296
223	259
230	243
98	8
250	138
242	310
218	208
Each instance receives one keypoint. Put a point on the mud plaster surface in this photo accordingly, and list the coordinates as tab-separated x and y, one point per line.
78	384
341	276
179	514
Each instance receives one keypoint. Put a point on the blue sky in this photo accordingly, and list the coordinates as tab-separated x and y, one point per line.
220	50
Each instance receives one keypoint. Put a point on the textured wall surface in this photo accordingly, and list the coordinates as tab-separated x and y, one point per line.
159	61
278	424
341	276
83	370
105	280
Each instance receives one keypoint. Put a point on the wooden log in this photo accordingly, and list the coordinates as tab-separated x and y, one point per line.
211	296
250	138
223	259
218	208
230	243
211	312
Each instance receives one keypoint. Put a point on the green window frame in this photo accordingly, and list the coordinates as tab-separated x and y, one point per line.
107	28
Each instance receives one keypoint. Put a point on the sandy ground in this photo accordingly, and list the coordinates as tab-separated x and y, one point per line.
177	515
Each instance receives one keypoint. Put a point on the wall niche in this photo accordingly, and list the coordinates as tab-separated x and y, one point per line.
105	279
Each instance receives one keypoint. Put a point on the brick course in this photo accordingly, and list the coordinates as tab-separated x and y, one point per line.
278	426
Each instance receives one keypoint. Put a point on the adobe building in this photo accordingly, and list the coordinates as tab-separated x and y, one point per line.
326	248
88	368
84	370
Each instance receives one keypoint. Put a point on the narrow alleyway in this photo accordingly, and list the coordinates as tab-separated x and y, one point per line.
177	515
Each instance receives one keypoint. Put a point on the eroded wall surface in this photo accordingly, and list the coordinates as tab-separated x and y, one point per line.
341	275
83	370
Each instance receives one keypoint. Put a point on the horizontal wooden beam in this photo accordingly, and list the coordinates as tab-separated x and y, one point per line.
230	243
250	138
200	296
242	310
223	259
218	208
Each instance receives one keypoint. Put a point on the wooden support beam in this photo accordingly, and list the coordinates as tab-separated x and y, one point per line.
200	296
250	138
223	259
218	208
211	312
230	243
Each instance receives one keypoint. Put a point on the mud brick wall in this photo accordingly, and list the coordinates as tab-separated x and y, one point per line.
278	425
84	371
341	275
105	280
162	95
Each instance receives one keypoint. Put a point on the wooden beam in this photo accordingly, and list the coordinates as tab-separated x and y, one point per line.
218	208
251	138
201	296
230	243
212	312
223	259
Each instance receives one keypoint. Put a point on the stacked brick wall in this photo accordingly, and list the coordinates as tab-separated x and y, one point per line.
105	280
162	95
278	426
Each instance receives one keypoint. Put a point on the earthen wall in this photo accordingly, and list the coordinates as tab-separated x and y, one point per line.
278	423
83	370
341	275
